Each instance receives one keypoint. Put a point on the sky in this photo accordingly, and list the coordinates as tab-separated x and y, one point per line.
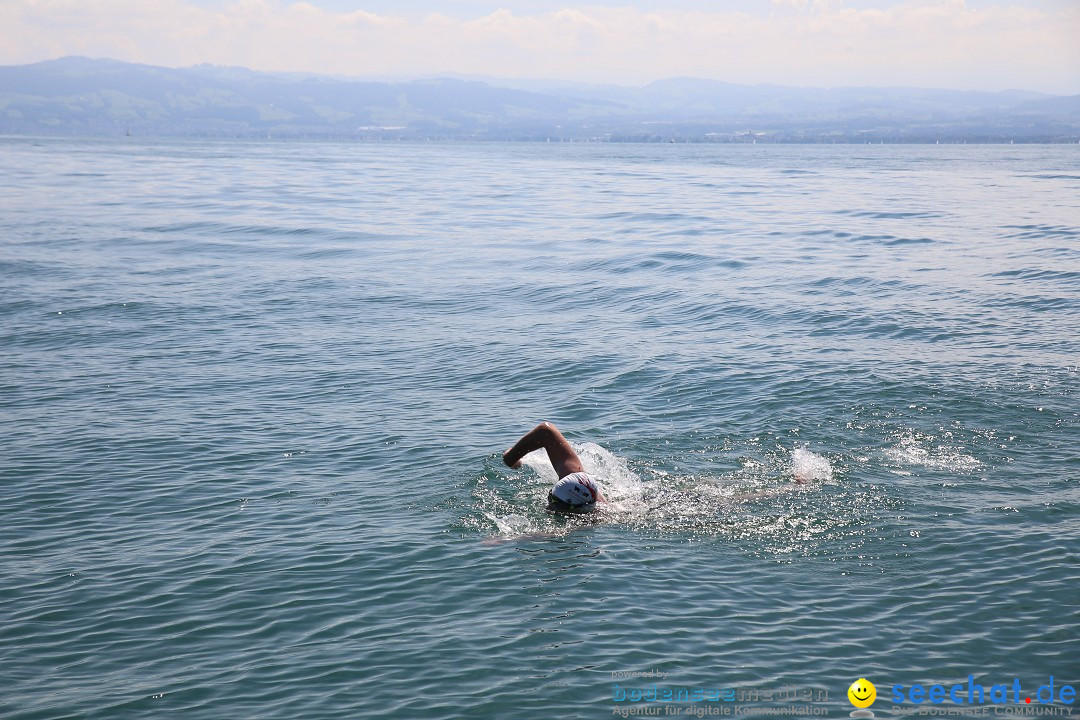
958	44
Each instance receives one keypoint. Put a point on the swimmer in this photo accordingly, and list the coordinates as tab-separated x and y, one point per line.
576	491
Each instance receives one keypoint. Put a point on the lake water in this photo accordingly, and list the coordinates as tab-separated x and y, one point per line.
255	396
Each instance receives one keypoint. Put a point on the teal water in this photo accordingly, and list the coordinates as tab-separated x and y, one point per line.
254	398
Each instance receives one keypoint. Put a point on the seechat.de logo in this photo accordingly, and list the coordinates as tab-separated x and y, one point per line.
973	693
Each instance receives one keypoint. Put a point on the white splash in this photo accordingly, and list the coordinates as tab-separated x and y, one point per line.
917	449
810	467
622	487
513	524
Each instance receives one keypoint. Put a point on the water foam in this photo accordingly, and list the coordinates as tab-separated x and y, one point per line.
622	487
810	467
918	449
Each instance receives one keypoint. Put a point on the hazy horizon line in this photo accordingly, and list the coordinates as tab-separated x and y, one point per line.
551	80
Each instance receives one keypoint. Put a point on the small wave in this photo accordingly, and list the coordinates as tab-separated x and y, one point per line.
910	241
659	218
210	228
1038	274
1041	231
1035	303
664	262
879	239
330	253
882	215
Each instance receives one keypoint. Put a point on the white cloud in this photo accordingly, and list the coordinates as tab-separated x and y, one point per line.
933	43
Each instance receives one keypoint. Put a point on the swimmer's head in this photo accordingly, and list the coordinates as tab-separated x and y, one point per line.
574	493
557	505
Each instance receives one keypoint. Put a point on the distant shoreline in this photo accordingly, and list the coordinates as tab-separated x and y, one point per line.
73	96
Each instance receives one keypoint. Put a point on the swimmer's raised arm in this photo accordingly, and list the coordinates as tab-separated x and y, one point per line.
547	436
576	491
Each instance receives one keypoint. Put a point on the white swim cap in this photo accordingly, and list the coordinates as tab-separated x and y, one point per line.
577	490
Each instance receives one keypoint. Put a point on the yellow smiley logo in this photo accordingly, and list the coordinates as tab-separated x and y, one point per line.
862	693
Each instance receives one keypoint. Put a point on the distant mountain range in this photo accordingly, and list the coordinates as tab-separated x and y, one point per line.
81	96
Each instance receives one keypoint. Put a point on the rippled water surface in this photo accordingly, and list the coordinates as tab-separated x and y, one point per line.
254	399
